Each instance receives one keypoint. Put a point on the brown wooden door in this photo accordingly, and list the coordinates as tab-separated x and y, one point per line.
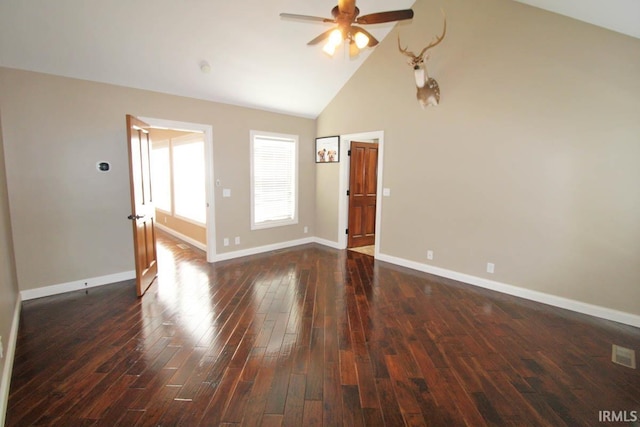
143	211
363	181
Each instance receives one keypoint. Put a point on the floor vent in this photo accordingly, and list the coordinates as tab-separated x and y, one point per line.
623	356
183	246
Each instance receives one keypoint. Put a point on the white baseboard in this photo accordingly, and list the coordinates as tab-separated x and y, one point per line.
46	291
9	356
261	249
325	242
181	236
556	301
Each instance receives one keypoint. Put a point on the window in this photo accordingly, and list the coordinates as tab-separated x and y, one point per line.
188	178
274	180
161	179
179	177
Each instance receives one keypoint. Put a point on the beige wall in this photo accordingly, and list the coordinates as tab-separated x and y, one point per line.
69	221
327	189
160	134
8	281
532	160
186	228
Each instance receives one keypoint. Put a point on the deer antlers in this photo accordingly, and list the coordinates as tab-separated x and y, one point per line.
428	91
414	59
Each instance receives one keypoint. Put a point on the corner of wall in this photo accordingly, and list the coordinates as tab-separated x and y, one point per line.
7	368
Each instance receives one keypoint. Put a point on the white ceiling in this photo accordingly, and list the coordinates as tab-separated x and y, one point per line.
622	16
257	59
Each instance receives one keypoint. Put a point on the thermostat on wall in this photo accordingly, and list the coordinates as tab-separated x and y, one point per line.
103	166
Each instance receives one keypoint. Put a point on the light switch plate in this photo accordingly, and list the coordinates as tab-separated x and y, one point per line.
226	192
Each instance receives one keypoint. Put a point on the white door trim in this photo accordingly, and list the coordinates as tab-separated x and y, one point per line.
207	130
343	201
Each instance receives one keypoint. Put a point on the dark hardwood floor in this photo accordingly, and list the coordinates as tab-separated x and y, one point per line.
311	336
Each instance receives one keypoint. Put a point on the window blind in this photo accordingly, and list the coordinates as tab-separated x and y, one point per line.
274	181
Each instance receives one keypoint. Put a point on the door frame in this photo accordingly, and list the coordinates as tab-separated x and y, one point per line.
343	184
207	130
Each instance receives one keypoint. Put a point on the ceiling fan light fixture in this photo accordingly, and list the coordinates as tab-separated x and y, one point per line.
329	48
344	16
335	38
361	40
353	49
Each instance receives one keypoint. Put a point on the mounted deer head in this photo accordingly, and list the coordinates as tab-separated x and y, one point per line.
428	91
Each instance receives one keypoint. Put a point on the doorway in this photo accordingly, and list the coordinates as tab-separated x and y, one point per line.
362	195
343	201
207	133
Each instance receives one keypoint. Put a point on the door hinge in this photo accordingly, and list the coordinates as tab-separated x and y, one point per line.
349	153
346	231
348	193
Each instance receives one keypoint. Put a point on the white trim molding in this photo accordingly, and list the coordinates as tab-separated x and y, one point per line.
262	249
325	242
9	356
76	285
541	297
178	235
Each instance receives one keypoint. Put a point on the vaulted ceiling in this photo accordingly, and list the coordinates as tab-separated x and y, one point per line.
256	58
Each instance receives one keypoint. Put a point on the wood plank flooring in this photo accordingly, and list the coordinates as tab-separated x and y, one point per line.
311	336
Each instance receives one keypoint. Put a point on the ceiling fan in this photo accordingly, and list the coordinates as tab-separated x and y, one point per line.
345	15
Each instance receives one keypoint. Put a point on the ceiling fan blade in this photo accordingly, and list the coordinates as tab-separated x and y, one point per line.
321	37
305	17
380	17
372	40
347	6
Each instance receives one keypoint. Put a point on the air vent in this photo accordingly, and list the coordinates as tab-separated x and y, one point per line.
623	356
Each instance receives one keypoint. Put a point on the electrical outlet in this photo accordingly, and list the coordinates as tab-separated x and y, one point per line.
237	240
306	230
429	254
225	241
490	267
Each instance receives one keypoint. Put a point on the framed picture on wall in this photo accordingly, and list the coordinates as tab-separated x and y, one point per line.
328	149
